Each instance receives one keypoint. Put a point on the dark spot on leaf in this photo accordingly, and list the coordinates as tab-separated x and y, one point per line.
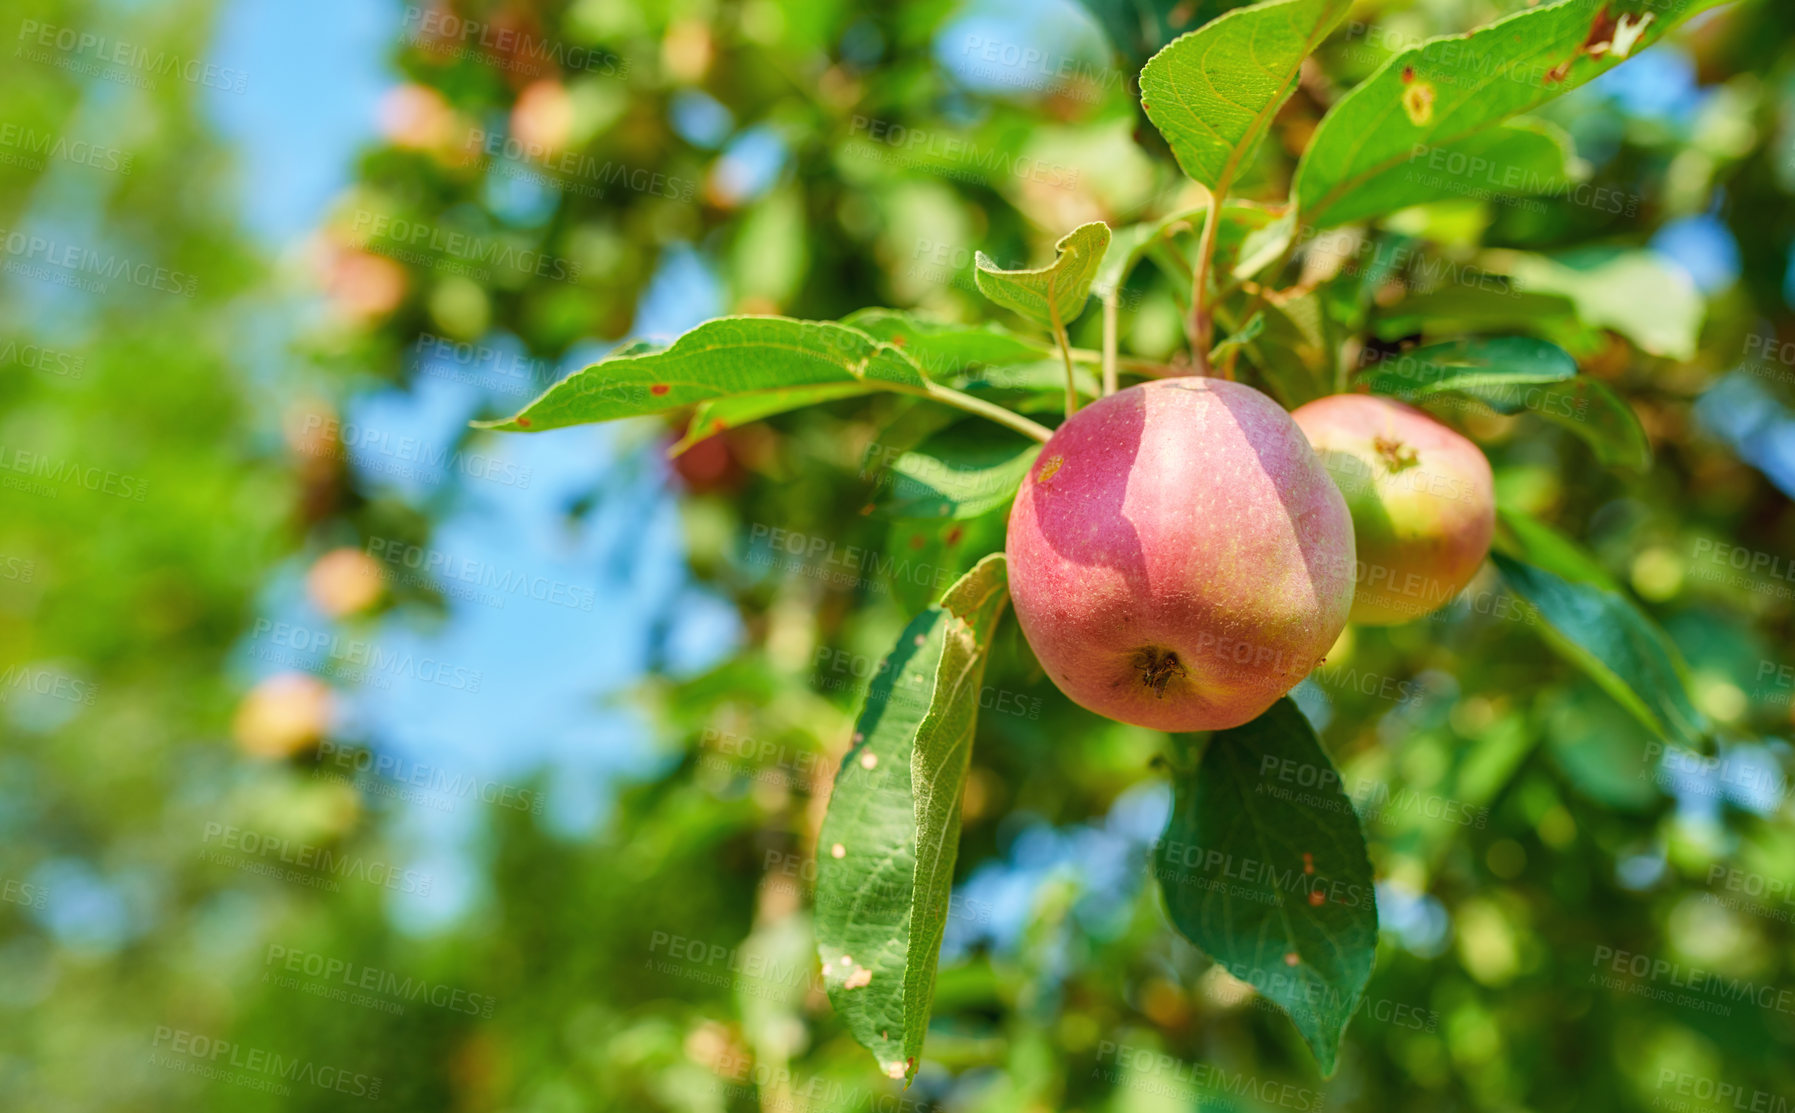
1408	75
524	421
659	389
916	541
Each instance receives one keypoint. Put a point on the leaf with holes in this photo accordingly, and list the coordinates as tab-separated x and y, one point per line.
778	361
1263	866
1442	92
885	859
1054	295
1603	633
1213	93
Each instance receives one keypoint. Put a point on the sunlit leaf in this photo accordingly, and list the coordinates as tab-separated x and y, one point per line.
1053	294
885	859
1213	93
1448	89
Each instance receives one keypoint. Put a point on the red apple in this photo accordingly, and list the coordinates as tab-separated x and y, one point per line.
1178	556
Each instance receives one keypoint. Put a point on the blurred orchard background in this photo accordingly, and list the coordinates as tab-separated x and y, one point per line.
353	758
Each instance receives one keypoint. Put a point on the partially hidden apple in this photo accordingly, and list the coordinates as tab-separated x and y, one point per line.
1178	556
1422	498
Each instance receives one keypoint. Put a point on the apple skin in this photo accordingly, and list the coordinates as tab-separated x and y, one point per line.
1178	557
1422	498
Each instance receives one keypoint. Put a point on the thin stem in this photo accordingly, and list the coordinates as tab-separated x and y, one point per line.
989	410
1109	343
1202	324
1059	333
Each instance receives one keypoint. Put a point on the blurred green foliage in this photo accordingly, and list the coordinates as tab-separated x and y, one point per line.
1527	834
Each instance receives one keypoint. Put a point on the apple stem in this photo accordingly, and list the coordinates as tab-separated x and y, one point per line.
1109	342
991	411
1065	342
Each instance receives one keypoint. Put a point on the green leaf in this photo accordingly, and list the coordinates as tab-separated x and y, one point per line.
1053	295
711	418
1294	352
966	470
1258	829
1634	293
1213	93
730	357
1496	371
885	859
941	349
1512	374
1446	90
1239	338
1457	309
1604	634
1521	157
1592	411
1528	539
